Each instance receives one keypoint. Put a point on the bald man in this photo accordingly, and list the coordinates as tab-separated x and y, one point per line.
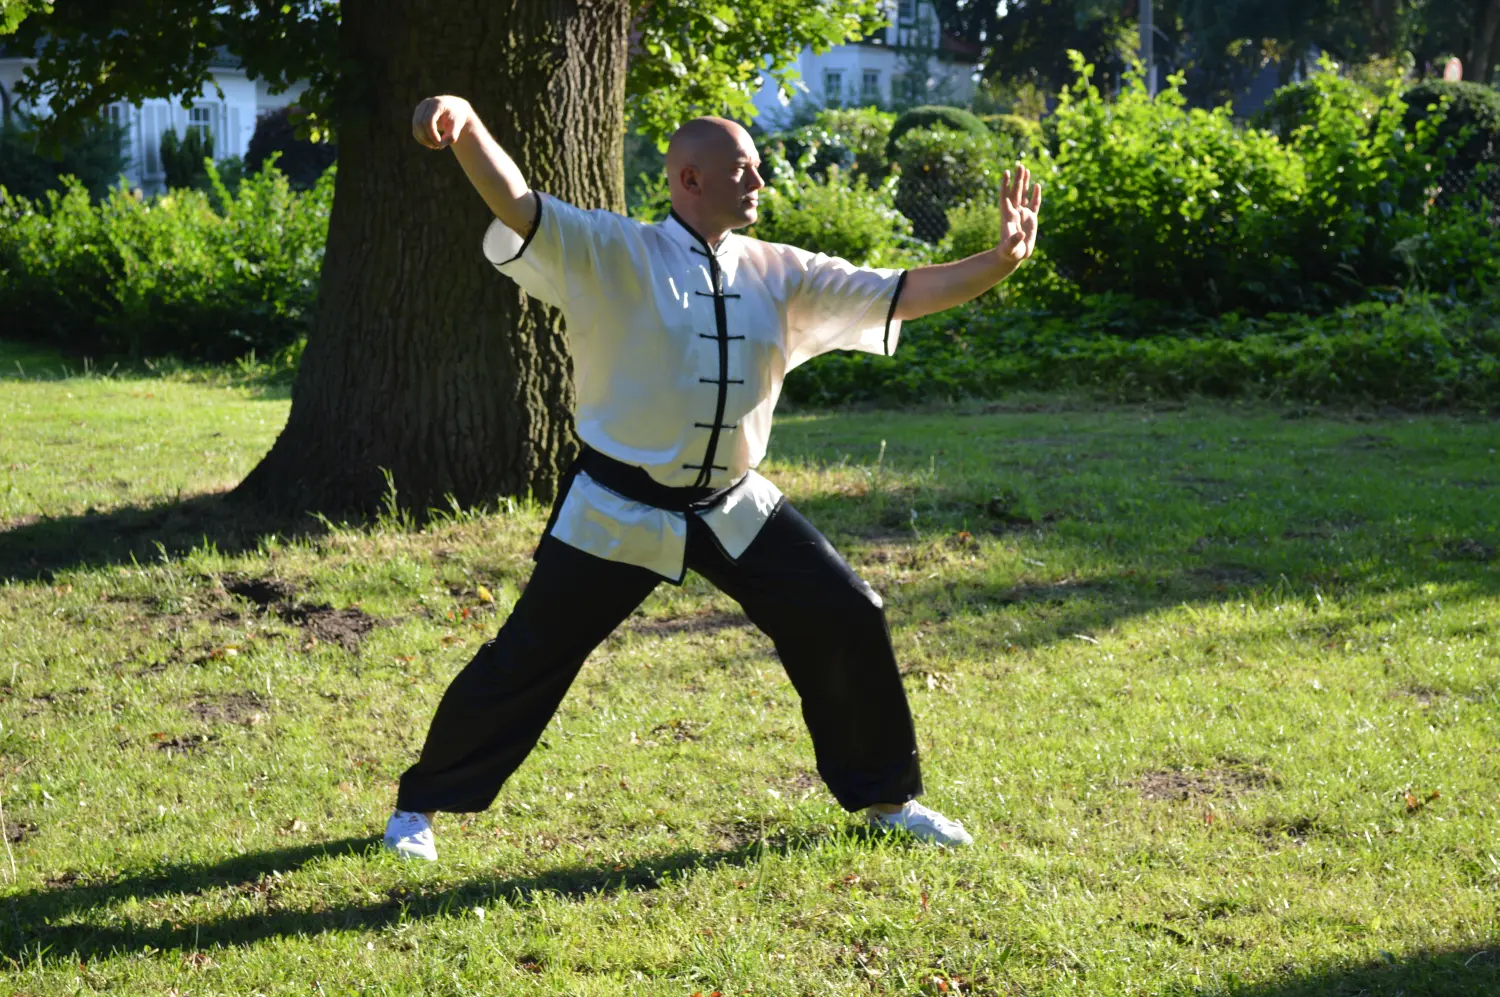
681	334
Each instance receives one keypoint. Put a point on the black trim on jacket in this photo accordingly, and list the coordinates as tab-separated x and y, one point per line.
885	345
536	223
722	337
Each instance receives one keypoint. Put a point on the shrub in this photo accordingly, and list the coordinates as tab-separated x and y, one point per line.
1419	352
1469	125
836	215
182	159
302	161
854	139
932	117
1023	134
95	157
165	275
940	170
1153	199
1369	180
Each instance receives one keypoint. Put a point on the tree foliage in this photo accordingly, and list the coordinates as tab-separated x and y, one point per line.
695	56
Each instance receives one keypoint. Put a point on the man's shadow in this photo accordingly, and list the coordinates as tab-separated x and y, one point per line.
43	925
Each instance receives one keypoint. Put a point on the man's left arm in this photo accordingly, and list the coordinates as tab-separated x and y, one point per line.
941	286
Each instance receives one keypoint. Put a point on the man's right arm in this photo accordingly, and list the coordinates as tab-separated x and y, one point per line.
441	122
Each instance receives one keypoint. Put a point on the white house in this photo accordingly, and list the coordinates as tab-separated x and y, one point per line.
910	61
230	119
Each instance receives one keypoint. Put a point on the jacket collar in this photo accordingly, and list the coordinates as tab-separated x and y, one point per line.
685	235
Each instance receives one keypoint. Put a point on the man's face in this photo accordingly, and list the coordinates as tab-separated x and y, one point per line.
729	177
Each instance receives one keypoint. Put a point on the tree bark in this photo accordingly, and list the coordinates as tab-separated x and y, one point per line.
1480	61
423	362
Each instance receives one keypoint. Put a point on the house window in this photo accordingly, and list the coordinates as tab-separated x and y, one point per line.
833	86
114	114
870	85
906	11
200	119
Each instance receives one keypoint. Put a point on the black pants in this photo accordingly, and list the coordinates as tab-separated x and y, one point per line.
827	624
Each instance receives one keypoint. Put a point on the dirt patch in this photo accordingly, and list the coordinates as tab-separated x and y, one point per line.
235	708
706	621
18	831
1183	784
182	742
680	729
264	592
344	627
63	881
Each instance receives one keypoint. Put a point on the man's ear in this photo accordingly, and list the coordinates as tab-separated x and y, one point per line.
688	178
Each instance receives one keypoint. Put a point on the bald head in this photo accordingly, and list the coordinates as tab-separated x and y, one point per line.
713	173
703	137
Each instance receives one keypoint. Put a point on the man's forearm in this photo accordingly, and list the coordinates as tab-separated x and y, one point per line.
939	287
495	175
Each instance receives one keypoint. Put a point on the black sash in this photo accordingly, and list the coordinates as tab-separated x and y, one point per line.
634	483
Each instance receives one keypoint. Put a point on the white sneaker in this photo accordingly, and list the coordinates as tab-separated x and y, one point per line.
409	835
929	825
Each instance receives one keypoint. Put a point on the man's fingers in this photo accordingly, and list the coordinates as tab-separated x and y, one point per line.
1036	197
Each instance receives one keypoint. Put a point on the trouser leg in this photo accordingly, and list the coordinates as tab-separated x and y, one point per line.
496	709
830	630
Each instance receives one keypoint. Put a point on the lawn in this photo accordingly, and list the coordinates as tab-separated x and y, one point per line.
1213	686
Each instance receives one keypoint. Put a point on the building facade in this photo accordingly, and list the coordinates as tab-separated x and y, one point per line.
229	119
911	61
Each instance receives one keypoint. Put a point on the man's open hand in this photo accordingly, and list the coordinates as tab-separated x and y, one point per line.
439	121
1018	211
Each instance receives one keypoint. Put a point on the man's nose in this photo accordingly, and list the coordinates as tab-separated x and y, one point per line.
756	183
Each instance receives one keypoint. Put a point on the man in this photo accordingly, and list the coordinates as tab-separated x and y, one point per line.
681	334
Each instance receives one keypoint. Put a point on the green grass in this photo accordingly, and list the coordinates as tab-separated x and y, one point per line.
1214	688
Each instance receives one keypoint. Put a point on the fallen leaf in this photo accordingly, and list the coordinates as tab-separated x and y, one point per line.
485	594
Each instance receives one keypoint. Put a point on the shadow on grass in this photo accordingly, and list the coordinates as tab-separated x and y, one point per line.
39	549
35	927
1465	972
40	926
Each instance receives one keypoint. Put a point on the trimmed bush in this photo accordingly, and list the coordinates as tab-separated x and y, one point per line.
1023	134
182	159
301	161
854	139
932	117
1469	125
941	169
1419	353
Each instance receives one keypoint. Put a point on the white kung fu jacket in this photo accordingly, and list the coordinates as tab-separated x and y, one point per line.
679	351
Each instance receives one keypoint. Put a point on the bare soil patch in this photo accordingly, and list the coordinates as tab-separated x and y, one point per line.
235	708
706	621
344	627
1184	784
264	592
182	742
18	831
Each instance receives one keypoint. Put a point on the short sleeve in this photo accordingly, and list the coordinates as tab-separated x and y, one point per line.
568	254
835	305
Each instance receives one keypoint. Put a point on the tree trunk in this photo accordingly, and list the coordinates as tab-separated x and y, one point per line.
1480	62
423	361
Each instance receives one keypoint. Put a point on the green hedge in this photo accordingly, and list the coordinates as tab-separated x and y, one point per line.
200	276
1422	352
